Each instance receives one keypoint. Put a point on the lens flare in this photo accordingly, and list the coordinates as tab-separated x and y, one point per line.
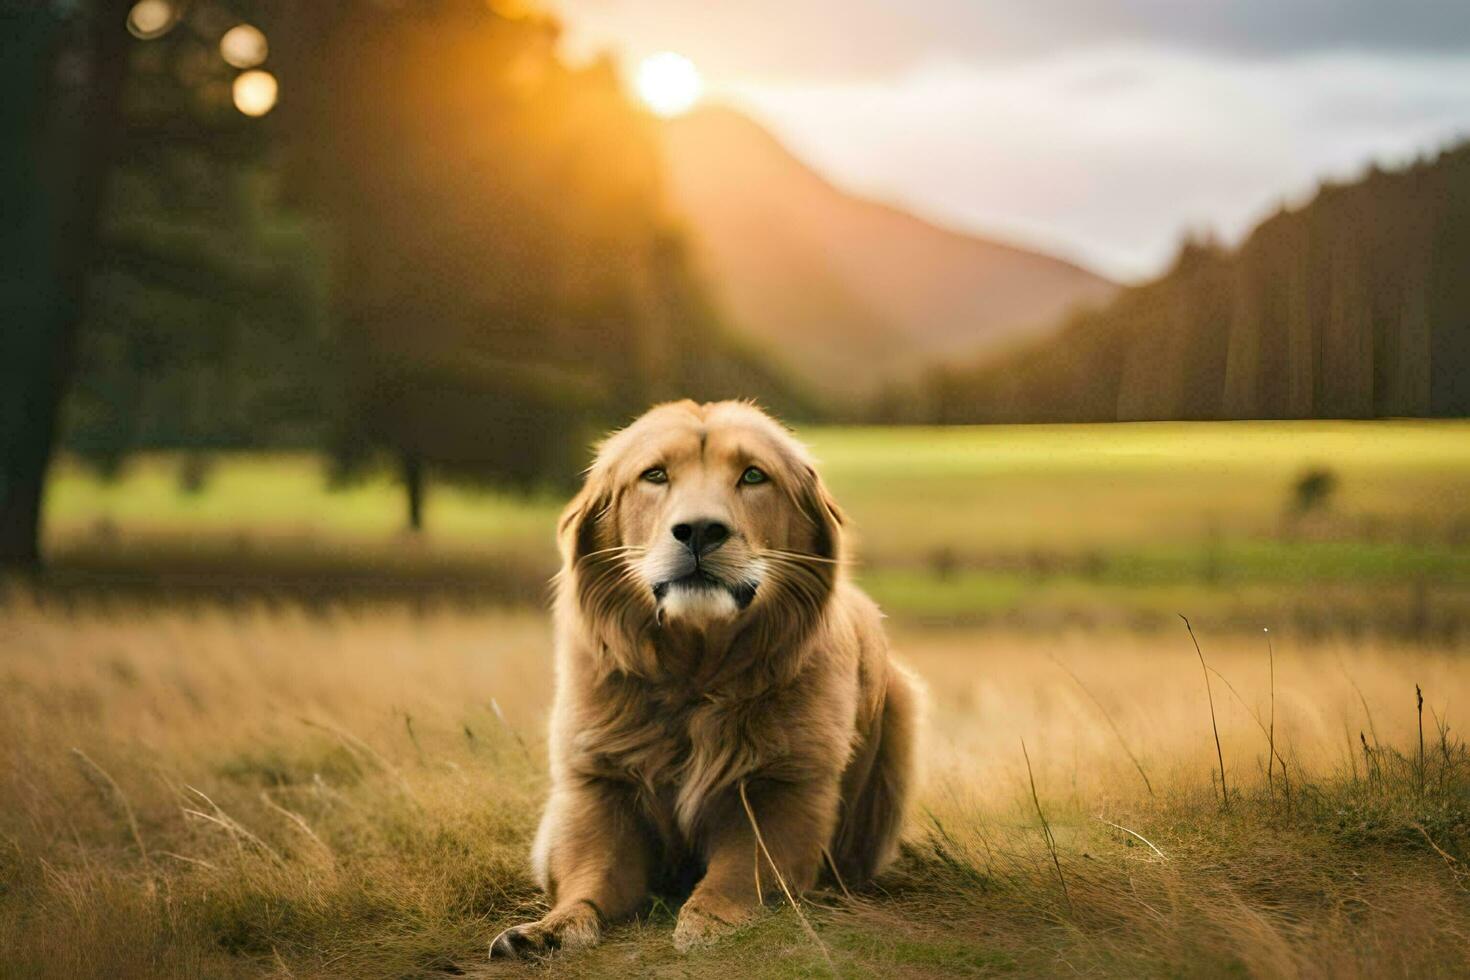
668	83
243	46
255	92
151	18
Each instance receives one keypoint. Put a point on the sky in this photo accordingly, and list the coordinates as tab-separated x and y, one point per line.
1099	130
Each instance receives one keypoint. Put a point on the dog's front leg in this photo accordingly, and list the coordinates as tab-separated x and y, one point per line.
594	850
795	821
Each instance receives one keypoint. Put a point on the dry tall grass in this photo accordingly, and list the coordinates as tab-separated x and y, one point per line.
274	792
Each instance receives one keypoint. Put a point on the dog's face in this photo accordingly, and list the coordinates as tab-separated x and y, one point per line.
703	513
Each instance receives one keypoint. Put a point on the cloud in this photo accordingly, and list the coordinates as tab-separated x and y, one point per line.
1109	154
1248	27
789	39
1098	127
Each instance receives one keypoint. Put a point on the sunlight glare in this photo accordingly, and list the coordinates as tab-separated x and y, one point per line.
668	83
513	9
255	92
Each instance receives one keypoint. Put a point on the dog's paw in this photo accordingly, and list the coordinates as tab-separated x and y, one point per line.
569	928
707	919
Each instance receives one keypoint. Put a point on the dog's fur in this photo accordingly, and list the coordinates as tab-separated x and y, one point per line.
701	698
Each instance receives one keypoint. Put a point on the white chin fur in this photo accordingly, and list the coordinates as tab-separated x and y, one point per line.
698	605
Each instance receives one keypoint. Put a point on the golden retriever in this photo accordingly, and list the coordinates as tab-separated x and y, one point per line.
727	716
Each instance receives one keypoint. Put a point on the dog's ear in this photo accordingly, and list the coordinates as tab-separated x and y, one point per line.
826	517
580	531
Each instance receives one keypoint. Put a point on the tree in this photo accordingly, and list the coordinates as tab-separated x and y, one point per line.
207	326
63	78
508	280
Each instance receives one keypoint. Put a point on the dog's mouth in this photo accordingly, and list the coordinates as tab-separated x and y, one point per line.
699	580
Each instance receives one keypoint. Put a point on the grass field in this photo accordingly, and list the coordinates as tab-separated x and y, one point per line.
1112	525
241	792
261	731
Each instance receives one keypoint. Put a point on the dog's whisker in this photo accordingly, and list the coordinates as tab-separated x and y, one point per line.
615	549
777	554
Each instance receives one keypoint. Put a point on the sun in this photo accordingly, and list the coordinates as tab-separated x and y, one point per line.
668	83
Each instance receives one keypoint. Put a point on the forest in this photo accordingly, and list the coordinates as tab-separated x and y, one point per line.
444	247
1355	305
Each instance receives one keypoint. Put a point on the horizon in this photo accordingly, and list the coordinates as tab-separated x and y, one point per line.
1085	143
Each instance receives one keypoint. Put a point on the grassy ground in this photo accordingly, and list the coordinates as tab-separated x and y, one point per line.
1119	524
274	792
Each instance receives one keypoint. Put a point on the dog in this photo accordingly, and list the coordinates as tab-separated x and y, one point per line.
727	716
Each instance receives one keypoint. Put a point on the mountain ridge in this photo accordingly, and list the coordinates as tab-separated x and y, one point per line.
853	293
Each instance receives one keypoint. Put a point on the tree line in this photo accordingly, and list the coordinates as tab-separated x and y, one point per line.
1356	305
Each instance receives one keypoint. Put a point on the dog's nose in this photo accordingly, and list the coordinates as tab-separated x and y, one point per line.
701	537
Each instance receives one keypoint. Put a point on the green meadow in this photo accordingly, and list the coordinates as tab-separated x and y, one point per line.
1124	522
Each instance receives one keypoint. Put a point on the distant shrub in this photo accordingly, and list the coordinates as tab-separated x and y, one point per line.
1313	491
194	473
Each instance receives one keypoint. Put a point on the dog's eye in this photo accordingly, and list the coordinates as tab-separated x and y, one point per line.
753	474
655	474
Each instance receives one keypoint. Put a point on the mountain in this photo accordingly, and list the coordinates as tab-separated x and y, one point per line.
1356	305
850	293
